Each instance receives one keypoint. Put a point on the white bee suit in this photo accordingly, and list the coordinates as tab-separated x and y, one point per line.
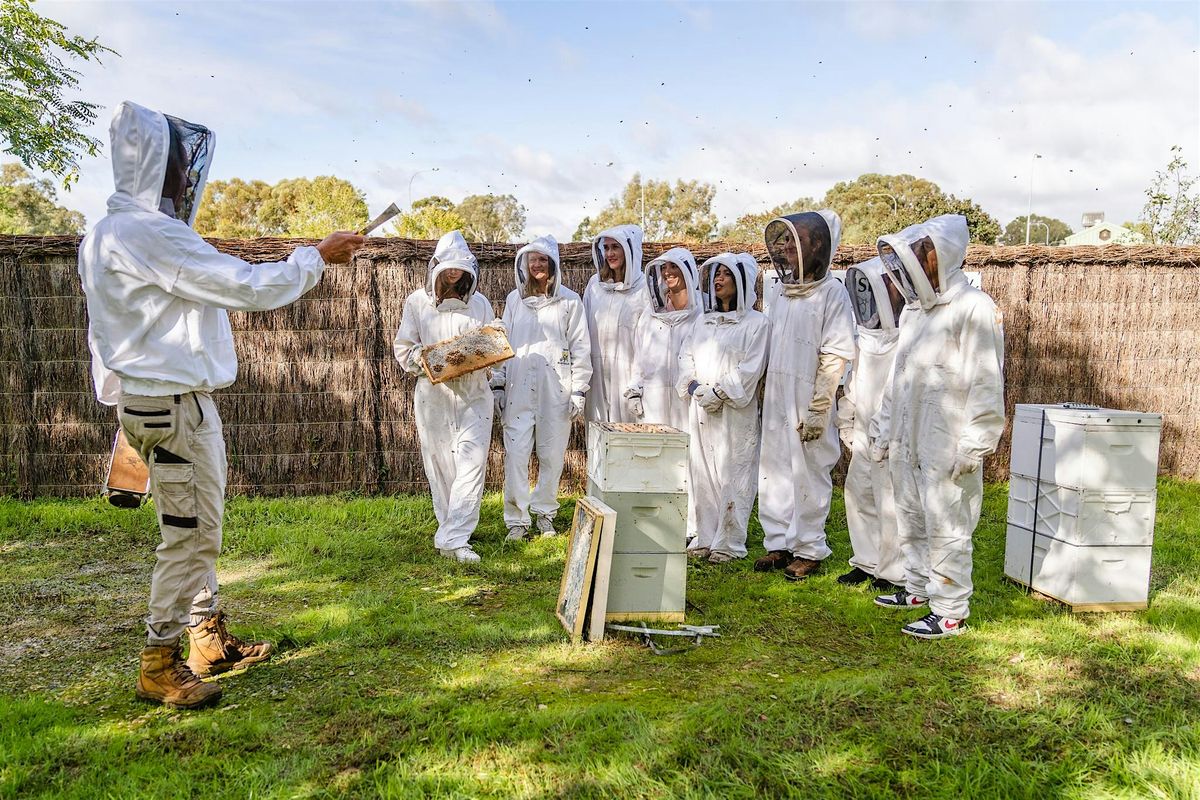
552	363
727	354
613	311
812	336
454	418
870	504
946	414
659	340
158	297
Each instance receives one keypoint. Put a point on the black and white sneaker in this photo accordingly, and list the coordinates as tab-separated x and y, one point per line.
854	577
900	599
932	626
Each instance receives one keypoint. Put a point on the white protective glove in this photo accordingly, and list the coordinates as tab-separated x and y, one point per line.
634	397
879	452
707	398
813	425
500	398
830	369
847	436
499	323
578	403
964	465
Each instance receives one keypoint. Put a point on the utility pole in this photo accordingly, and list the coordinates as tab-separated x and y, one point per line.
1029	211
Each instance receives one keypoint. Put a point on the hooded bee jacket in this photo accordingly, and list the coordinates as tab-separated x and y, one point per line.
613	312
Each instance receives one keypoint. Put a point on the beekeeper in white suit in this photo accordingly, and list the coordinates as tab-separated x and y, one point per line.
673	292
946	414
870	509
812	339
720	368
615	301
454	418
159	335
543	387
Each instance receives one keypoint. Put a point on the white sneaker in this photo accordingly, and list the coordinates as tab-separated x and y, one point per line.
545	525
932	626
720	557
900	599
517	533
463	555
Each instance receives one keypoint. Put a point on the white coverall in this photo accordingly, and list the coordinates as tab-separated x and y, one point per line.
613	311
870	504
552	363
658	341
157	296
727	352
809	321
945	413
454	418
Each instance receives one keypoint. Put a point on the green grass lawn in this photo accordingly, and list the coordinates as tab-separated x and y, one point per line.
402	674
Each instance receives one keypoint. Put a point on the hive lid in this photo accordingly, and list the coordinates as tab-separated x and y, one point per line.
1082	414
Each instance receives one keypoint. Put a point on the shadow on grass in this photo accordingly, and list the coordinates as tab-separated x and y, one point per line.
402	674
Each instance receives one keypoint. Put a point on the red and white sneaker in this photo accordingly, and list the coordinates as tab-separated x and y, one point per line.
900	599
932	626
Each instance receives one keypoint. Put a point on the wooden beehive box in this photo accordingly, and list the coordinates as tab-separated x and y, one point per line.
466	353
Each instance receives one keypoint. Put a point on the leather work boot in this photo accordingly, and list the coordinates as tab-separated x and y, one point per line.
165	678
215	650
801	568
775	559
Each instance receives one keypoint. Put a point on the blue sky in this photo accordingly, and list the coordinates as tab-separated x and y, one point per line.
560	103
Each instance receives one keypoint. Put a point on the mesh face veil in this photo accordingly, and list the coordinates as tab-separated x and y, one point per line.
893	267
862	298
188	155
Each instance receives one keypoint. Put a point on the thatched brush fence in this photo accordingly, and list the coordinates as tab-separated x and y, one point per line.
321	406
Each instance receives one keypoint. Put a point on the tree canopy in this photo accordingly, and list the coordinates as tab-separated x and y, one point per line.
1172	210
303	207
866	207
1014	232
29	206
679	212
491	217
429	218
38	123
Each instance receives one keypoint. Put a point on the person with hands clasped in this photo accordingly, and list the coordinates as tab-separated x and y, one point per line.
542	387
720	367
672	288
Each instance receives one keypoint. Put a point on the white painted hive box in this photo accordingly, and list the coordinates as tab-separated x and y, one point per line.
1114	578
1083	516
627	457
1086	448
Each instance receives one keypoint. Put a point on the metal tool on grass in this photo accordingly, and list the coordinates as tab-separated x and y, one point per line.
694	632
383	217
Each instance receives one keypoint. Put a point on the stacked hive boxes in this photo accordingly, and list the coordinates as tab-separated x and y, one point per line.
1081	504
641	472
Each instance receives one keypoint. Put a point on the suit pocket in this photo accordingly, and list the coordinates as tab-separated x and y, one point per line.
174	487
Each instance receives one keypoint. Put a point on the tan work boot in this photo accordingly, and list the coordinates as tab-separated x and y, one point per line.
800	568
215	650
166	679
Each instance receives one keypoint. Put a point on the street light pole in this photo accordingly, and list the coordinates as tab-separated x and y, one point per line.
1047	227
1029	210
410	181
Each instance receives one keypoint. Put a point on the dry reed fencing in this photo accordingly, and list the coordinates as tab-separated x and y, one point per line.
321	405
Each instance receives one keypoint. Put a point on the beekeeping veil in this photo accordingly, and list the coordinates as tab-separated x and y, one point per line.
547	246
744	269
801	248
656	283
875	308
160	162
630	239
927	258
452	252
